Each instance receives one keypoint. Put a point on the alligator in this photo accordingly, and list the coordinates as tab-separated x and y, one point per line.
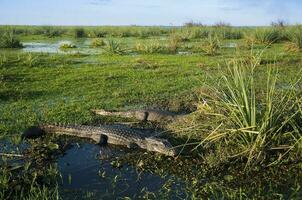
152	115
117	135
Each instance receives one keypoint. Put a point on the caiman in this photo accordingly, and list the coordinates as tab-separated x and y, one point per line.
152	115
117	135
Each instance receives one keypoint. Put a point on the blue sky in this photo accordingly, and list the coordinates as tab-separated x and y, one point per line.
148	12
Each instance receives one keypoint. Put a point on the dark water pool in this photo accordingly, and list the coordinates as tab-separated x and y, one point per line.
92	171
84	169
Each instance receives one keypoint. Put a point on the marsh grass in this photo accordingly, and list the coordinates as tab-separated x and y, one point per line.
268	36
149	48
211	45
50	31
114	47
248	42
97	42
9	40
257	128
295	40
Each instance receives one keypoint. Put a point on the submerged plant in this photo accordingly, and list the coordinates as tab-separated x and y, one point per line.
67	45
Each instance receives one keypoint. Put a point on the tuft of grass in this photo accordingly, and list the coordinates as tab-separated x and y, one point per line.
295	40
268	36
149	48
211	45
113	47
97	43
9	40
248	42
258	129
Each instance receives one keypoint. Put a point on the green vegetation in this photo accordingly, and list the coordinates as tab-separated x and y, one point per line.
242	140
67	45
9	40
113	47
97	43
211	45
295	38
268	36
79	32
256	129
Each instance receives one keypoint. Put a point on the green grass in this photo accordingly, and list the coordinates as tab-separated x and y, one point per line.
8	40
257	127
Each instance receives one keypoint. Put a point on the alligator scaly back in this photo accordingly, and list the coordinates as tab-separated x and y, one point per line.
118	135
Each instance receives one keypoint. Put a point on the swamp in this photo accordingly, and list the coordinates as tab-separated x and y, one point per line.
237	88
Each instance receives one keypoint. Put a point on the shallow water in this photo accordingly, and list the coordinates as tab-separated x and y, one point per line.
83	169
86	167
43	47
230	45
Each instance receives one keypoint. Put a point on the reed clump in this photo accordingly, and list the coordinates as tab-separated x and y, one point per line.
295	40
8	39
113	47
97	42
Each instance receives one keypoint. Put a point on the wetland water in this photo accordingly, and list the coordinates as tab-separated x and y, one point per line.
90	168
82	46
82	169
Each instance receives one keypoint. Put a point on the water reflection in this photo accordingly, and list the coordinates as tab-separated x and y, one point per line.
84	168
